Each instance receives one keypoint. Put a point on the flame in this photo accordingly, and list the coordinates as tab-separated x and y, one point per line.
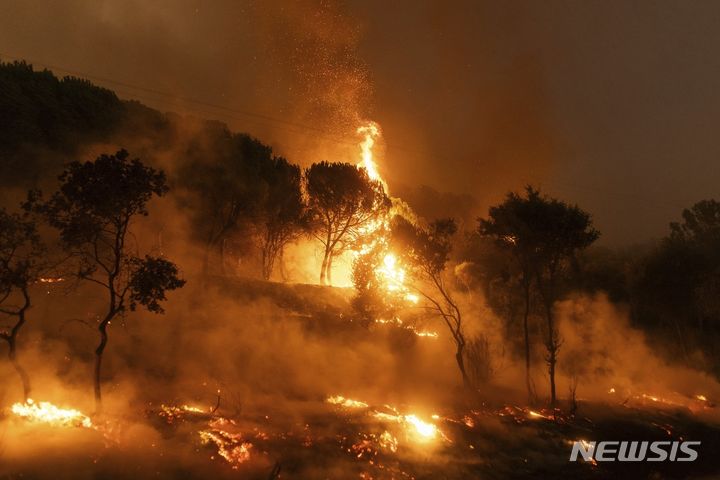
370	131
419	429
425	429
51	279
230	445
416	428
390	273
46	412
399	323
346	402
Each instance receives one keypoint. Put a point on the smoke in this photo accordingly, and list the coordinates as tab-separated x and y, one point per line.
604	352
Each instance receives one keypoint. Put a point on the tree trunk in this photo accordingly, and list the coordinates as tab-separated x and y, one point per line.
552	347
459	358
12	345
12	356
323	268
528	381
328	271
102	328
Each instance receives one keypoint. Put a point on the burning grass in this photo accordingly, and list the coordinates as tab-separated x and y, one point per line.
342	437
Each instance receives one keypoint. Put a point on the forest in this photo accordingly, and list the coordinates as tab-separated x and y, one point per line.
176	292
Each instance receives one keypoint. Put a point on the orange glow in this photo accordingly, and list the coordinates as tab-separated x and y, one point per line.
46	412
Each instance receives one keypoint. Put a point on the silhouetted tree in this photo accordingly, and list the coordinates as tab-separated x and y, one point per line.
21	263
676	289
342	201
41	113
282	212
223	173
513	225
561	231
426	252
93	210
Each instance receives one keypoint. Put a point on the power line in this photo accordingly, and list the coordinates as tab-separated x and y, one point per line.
288	126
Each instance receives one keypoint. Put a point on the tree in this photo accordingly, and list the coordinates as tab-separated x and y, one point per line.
21	254
561	231
675	290
283	214
541	234
93	211
222	172
427	251
343	203
513	225
369	302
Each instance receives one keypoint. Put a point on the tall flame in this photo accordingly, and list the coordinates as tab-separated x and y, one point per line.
389	271
370	131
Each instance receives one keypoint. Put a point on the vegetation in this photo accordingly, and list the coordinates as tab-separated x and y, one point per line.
427	250
244	202
343	202
93	210
21	265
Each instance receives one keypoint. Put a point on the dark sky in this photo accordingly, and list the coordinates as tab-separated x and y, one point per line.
610	104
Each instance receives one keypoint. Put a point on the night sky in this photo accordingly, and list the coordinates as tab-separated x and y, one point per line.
613	105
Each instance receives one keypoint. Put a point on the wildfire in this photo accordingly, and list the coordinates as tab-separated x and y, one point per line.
389	272
370	131
230	446
346	402
46	412
399	323
417	428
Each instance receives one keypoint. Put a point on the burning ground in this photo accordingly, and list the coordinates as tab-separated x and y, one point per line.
297	389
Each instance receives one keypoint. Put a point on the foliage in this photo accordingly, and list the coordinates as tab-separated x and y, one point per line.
39	110
93	210
427	251
342	202
21	265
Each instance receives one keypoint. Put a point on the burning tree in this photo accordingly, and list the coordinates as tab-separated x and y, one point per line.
344	204
427	252
21	254
93	210
369	301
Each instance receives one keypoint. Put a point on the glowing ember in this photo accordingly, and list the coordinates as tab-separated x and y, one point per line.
46	412
399	323
589	447
534	414
50	279
388	441
230	445
171	413
346	402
